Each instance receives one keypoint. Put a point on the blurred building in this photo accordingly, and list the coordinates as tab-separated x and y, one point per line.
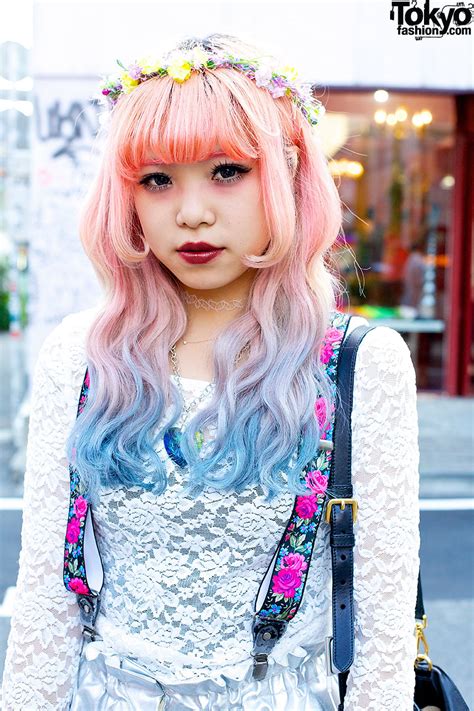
403	161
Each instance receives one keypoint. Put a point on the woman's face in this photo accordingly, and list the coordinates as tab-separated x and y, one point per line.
217	201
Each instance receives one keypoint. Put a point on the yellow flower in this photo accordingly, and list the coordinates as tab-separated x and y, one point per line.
128	83
289	72
199	57
179	69
150	65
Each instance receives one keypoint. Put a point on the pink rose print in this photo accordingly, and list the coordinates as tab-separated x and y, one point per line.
327	348
80	507
316	481
86	379
73	529
320	411
306	506
77	586
295	561
286	582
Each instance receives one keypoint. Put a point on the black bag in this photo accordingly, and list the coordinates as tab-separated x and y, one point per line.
433	687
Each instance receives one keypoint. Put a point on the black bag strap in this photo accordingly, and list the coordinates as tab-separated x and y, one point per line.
342	512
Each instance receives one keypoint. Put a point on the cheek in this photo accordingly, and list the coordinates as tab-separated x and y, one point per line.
152	219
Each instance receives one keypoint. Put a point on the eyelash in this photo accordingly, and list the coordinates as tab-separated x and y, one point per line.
241	170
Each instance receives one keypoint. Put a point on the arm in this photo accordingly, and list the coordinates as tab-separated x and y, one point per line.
45	636
385	459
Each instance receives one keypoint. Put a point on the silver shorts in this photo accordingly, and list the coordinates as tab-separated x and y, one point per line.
107	680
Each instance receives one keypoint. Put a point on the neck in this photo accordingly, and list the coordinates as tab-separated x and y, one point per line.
205	320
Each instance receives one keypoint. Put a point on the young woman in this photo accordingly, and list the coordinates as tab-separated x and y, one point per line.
204	383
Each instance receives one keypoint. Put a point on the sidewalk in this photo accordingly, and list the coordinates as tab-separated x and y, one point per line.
446	426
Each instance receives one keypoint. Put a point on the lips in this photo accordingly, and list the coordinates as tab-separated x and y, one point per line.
198	247
201	256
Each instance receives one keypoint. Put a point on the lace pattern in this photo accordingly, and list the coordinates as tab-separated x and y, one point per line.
174	567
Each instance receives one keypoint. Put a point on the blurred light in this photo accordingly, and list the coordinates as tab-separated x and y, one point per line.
380	116
447	182
381	95
426	116
25	84
346	168
391	119
26	107
417	120
401	114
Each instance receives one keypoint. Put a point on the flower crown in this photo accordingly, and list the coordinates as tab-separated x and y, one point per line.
281	81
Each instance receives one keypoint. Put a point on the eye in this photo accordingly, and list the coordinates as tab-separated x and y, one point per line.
146	181
226	168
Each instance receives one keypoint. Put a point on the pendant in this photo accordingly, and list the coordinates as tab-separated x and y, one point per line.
171	441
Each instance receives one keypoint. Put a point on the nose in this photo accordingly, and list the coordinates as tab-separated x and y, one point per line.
194	210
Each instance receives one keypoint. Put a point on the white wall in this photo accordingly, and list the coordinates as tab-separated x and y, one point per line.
338	42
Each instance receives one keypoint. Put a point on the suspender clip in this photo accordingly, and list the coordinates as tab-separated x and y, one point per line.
260	666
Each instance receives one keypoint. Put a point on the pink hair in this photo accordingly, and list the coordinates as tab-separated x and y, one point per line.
143	315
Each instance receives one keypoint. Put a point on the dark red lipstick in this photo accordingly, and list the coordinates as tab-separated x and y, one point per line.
198	252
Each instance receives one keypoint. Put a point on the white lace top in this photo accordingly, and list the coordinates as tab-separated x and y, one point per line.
181	575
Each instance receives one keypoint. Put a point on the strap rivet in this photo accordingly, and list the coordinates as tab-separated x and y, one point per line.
266	635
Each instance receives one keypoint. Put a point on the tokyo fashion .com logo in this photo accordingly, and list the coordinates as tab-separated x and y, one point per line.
431	21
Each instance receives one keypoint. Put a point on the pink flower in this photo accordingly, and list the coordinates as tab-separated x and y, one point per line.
295	561
286	582
316	481
73	529
87	379
77	586
327	348
80	506
306	506
320	411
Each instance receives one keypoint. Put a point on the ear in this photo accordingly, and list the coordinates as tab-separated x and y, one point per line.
292	153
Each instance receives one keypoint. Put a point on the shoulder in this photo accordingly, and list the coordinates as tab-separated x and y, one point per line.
381	349
71	330
383	354
62	352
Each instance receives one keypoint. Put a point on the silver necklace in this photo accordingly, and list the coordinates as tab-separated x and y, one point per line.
187	407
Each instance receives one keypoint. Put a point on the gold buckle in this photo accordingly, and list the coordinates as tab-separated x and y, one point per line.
342	503
421	640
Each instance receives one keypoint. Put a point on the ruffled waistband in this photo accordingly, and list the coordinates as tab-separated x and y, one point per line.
110	680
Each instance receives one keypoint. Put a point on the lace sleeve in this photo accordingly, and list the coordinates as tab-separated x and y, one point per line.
45	635
385	461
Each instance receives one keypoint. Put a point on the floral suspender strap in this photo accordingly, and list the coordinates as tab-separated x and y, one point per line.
79	523
293	555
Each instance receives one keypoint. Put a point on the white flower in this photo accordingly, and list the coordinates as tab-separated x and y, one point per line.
263	75
277	91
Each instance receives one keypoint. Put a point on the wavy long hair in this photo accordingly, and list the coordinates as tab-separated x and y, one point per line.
264	407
